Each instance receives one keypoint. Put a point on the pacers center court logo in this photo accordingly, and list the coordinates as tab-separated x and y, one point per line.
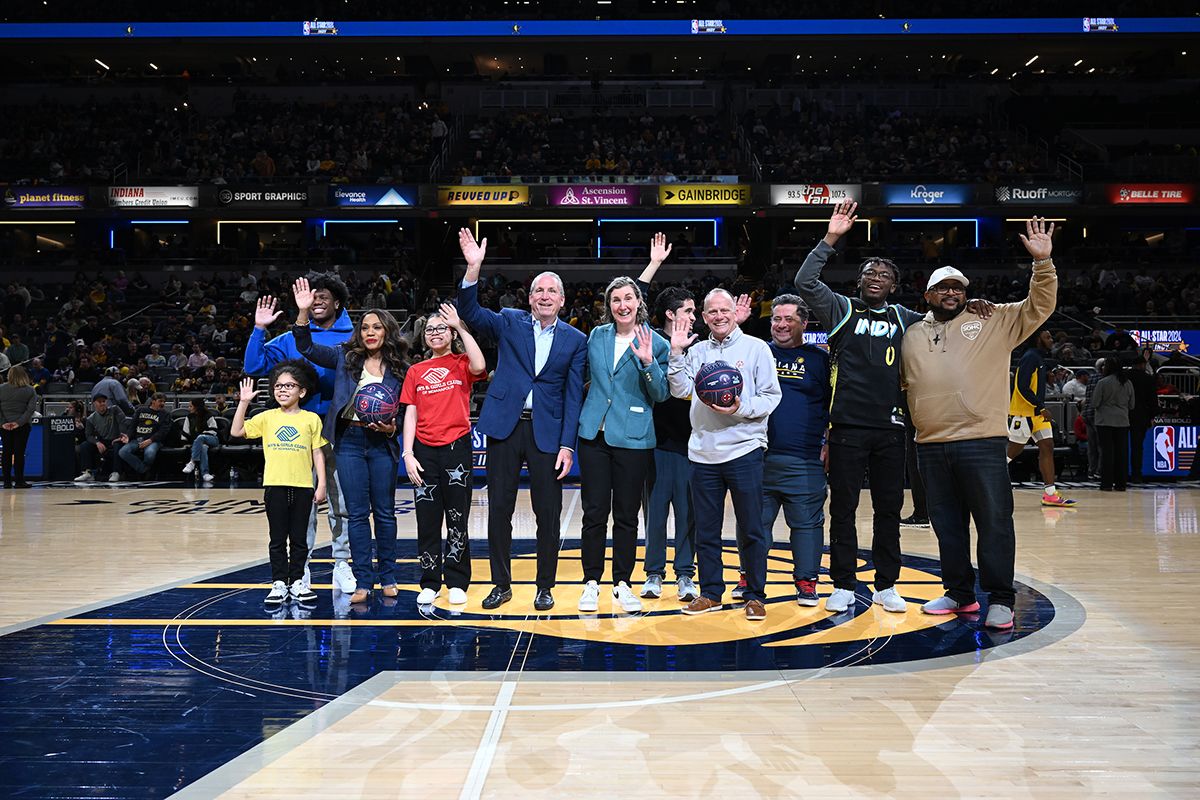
791	635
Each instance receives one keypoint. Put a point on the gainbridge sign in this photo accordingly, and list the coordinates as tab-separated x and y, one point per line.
506	195
704	194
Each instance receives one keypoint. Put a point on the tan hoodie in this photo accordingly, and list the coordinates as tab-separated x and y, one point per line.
956	372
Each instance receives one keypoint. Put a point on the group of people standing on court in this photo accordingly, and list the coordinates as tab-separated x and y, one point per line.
805	420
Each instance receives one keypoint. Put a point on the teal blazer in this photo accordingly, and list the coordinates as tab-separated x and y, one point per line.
623	398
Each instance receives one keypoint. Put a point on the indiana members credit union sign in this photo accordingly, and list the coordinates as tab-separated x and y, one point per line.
154	196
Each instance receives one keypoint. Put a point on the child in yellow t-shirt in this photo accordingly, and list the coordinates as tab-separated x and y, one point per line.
292	443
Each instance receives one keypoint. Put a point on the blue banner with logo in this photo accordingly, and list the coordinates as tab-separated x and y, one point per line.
372	196
1169	450
928	194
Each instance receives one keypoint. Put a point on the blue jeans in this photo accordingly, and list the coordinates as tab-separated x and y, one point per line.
368	477
798	485
965	480
742	479
670	489
200	447
139	459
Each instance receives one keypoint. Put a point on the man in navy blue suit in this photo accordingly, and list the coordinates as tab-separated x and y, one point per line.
531	415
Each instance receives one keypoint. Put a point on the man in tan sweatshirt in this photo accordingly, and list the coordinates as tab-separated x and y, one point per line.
955	369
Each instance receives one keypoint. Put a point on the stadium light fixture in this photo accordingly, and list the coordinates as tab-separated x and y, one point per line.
101	63
154	66
221	222
1077	63
1030	61
159	221
944	219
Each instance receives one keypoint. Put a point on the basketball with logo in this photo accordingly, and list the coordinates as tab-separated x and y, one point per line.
376	402
718	384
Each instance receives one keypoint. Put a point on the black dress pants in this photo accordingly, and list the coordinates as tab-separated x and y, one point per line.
504	459
611	479
14	443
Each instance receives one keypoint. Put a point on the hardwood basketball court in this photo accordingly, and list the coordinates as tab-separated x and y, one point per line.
138	662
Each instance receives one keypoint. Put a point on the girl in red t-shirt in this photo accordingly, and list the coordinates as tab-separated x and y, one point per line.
437	451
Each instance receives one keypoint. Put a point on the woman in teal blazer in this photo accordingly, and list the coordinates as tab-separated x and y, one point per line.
627	367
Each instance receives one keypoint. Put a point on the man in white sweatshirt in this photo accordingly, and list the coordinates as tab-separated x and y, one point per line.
725	450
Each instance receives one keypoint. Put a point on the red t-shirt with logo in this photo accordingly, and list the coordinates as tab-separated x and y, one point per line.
440	388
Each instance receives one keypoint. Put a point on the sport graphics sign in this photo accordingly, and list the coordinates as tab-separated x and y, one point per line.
1038	194
371	196
1121	194
814	194
258	197
18	197
704	194
927	194
586	195
514	194
154	196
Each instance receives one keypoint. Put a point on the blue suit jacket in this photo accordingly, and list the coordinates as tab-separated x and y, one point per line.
623	398
345	383
557	389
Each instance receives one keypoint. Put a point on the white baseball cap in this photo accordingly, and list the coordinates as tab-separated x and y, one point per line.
943	273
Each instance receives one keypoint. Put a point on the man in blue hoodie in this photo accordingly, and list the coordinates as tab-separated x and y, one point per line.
330	325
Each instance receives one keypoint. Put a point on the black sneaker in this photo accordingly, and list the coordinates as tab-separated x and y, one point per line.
497	597
915	522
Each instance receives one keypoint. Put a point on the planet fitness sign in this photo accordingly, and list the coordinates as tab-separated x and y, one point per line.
45	197
592	195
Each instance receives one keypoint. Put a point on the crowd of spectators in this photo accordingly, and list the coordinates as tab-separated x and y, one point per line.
341	141
817	141
636	144
189	337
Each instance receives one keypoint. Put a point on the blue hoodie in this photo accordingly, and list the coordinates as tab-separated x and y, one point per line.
261	355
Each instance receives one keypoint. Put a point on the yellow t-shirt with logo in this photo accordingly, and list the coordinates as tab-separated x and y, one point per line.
288	442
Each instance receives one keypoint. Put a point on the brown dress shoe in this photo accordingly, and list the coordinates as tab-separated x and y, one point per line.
360	596
701	605
755	610
391	590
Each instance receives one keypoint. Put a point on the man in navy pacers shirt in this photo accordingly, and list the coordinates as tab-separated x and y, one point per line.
793	475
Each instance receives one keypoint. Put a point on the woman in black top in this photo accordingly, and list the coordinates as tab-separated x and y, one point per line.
18	401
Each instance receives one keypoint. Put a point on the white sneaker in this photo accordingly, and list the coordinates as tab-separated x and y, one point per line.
458	596
84	478
891	600
839	601
277	595
427	596
189	468
114	477
301	592
626	598
589	601
343	578
207	477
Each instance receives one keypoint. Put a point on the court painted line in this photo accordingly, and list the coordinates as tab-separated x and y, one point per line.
485	753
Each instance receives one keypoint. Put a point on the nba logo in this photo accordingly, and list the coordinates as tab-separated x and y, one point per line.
1164	448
